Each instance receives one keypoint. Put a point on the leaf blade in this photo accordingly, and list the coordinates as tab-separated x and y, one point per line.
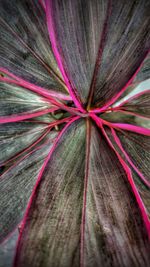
105	201
16	187
24	39
56	210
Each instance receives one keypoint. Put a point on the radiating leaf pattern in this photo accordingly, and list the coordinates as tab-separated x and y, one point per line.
113	235
74	162
78	27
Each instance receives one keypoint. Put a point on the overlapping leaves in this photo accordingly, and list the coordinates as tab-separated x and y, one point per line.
63	142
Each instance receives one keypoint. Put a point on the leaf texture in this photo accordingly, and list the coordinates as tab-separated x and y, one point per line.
16	185
142	75
24	39
102	226
123	116
137	148
15	137
126	46
114	232
16	100
89	52
76	29
139	104
55	214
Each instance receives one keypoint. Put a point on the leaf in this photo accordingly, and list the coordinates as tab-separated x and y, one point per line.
16	100
15	137
24	39
126	47
76	29
122	115
137	147
98	65
142	75
139	104
144	72
56	209
16	185
114	232
82	218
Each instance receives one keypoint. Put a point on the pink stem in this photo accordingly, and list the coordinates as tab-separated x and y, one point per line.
28	86
8	119
38	89
52	100
130	127
57	55
123	126
117	140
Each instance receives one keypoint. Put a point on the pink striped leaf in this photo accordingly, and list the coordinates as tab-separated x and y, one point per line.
137	147
83	211
24	39
15	137
59	195
139	104
77	30
142	75
16	185
17	103
120	115
125	49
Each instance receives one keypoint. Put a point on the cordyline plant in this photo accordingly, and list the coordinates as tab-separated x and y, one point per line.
72	157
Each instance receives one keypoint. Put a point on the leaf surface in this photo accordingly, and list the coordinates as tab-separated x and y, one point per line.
15	137
137	148
16	100
93	58
139	104
24	39
56	210
76	29
83	213
142	75
16	185
126	47
114	231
